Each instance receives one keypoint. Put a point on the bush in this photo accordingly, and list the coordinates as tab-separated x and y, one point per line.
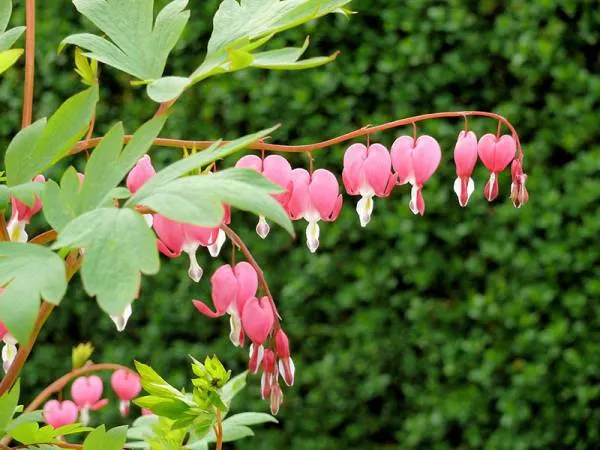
473	328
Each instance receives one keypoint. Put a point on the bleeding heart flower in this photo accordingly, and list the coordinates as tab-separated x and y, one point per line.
231	288
58	414
276	398
9	349
465	158
496	154
415	162
21	215
138	176
518	191
278	170
127	386
141	172
86	393
3	330
314	197
286	364
368	173
175	238
270	373
258	319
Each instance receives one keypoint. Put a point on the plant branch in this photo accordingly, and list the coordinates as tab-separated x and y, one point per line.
261	276
29	64
219	431
24	350
4	237
60	383
44	238
73	263
261	145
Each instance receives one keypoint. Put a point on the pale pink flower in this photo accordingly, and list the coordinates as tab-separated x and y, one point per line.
278	170
9	349
368	173
58	414
231	288
127	386
86	392
21	215
518	191
286	364
258	319
496	154
465	158
415	162
270	373
276	398
314	197
141	172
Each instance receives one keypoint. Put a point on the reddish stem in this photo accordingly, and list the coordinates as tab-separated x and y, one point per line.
29	64
261	276
261	145
60	383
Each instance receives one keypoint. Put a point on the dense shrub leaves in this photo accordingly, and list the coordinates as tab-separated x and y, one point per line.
473	328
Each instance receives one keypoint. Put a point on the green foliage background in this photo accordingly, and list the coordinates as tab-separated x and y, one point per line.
466	329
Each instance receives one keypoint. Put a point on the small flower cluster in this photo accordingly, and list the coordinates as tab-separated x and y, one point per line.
234	292
86	393
373	171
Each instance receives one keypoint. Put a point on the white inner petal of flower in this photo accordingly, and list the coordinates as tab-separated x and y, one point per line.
262	228
149	218
312	236
413	200
9	351
236	326
215	249
16	231
195	271
364	208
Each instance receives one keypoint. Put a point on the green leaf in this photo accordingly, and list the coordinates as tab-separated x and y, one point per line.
8	404
8	58
167	88
51	141
31	433
240	28
154	384
257	18
7	38
105	169
198	199
29	273
100	439
138	47
250	418
108	165
119	245
60	204
25	192
34	416
233	387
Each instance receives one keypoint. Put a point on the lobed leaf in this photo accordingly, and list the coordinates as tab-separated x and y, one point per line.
29	273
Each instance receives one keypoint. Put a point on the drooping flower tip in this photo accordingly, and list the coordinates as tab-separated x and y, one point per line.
286	364
518	191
